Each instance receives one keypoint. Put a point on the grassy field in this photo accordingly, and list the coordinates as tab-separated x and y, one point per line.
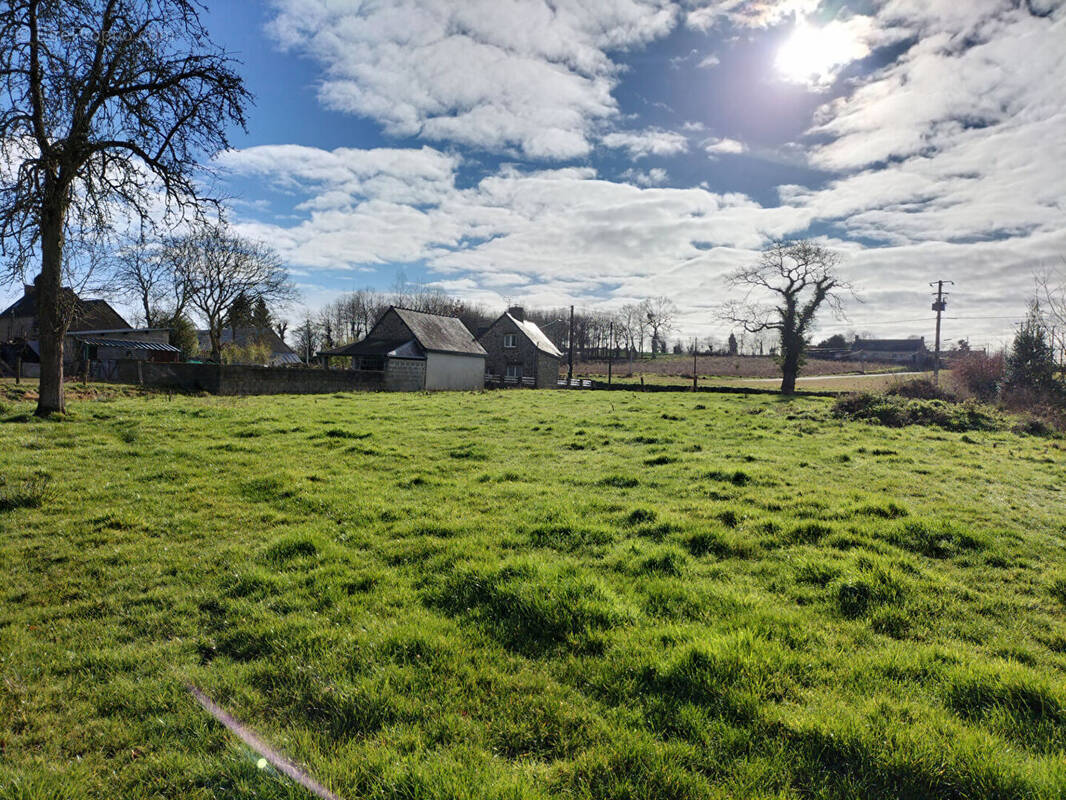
528	595
672	368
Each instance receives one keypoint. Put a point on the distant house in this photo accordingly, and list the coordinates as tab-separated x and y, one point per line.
280	353
519	353
911	352
416	351
97	334
19	320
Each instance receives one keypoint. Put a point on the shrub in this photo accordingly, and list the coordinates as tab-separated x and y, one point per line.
979	374
895	412
921	389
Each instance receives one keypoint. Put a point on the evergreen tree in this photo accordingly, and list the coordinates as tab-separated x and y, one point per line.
1031	361
182	333
261	319
239	314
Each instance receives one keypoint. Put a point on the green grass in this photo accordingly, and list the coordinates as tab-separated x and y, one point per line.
528	595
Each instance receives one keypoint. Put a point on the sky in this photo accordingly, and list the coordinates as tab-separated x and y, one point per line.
597	152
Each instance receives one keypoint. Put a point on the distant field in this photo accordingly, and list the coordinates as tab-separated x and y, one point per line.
524	594
669	368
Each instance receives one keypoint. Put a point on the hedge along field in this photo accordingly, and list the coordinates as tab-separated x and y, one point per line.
528	595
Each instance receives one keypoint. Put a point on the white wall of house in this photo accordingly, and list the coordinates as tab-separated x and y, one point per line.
452	371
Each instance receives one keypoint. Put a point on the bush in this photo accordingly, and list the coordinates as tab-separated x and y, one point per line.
921	389
979	374
896	412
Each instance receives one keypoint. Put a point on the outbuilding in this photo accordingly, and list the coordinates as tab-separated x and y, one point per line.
415	351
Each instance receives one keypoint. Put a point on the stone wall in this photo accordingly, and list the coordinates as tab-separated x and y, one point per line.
547	370
232	379
391	327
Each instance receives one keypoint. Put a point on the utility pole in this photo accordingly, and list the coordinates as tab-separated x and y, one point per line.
570	357
939	304
610	352
695	347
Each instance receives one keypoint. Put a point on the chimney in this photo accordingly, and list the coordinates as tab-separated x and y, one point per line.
518	313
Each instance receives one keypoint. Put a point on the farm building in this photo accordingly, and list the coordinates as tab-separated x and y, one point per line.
417	351
911	352
519	353
97	334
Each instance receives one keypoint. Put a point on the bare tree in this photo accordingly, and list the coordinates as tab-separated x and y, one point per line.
105	105
659	312
148	273
223	267
1051	295
308	340
797	278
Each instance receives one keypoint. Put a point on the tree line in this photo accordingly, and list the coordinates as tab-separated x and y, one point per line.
632	330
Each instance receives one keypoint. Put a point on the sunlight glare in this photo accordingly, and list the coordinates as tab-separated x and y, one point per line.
812	54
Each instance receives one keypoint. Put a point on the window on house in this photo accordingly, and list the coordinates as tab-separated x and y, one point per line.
514	370
510	340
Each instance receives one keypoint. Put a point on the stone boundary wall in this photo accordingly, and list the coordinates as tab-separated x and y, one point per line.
234	379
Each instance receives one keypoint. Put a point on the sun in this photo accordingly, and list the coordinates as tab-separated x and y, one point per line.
813	54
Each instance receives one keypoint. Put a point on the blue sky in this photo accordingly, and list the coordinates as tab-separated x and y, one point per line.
602	151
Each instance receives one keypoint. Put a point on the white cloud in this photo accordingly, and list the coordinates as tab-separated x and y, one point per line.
495	74
708	61
726	146
962	138
703	15
652	141
951	159
656	176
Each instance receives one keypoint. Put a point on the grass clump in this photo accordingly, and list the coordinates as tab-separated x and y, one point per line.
619	482
935	539
872	589
530	608
31	492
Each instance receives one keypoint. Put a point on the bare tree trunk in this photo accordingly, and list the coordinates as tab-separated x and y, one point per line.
789	371
50	313
214	332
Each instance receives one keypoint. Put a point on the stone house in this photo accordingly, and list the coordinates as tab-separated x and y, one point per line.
416	351
519	353
911	352
97	334
19	320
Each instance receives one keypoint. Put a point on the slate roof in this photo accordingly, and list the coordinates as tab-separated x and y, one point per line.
536	336
439	334
890	345
88	314
246	335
